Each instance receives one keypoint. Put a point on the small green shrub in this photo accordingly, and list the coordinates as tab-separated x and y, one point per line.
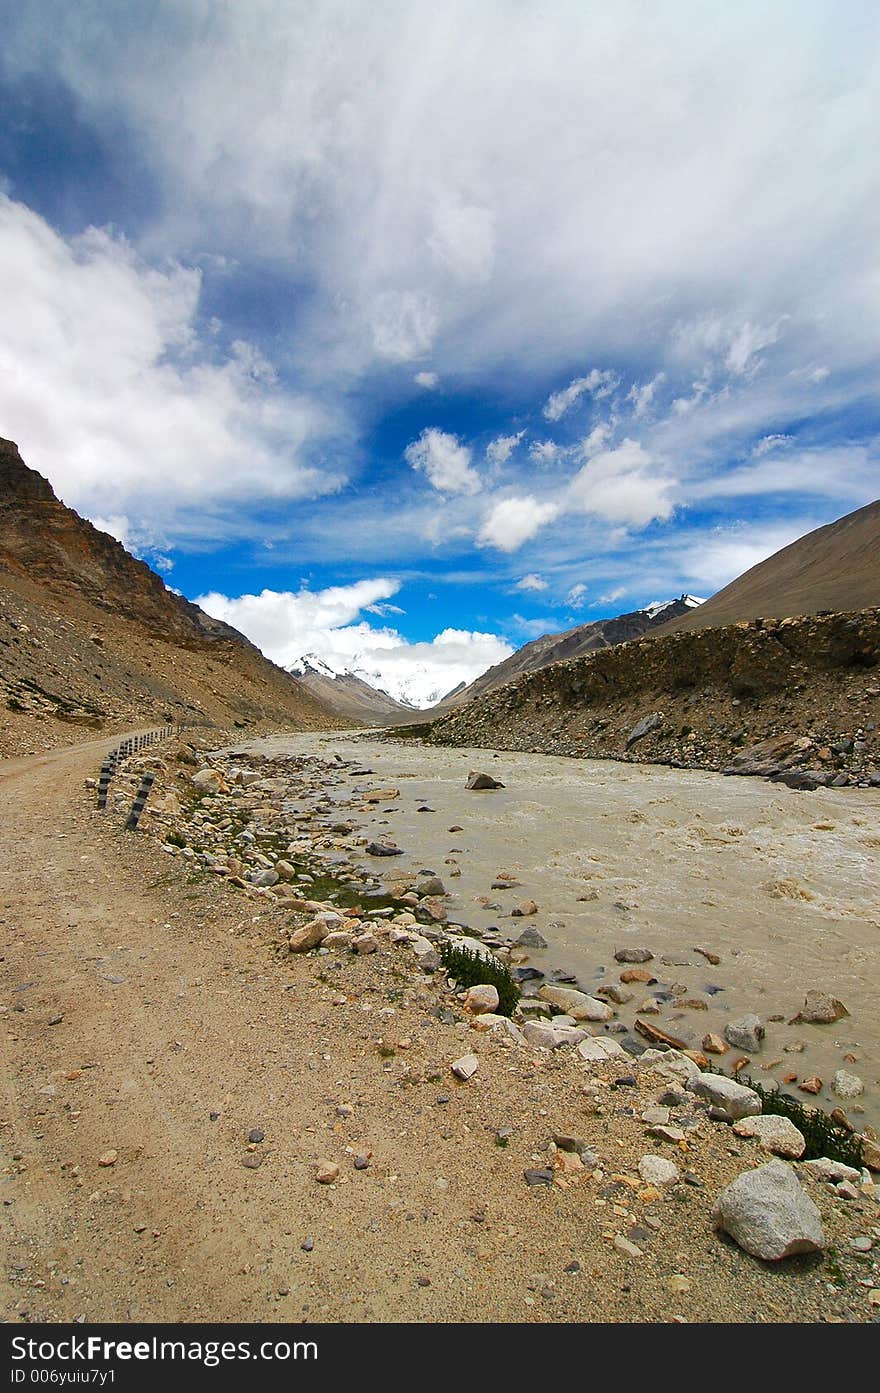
822	1136
471	969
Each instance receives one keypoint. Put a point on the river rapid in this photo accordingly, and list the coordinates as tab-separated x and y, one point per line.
781	886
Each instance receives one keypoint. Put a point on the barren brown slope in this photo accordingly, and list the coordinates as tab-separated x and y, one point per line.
89	636
836	568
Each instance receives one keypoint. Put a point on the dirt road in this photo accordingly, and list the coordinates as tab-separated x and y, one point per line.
148	1028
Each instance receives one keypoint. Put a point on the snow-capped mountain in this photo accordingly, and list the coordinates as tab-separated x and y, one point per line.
349	693
585	638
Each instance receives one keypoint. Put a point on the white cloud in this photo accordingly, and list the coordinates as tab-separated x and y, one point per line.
642	397
597	383
544	451
106	388
499	450
772	442
576	596
611	596
407	177
535	628
428	380
445	461
531	582
625	485
514	521
463	239
404	324
598	437
714	560
286	626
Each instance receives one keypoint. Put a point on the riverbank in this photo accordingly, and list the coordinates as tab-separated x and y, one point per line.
177	1078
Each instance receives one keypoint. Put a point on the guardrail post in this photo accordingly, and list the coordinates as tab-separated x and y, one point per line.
140	799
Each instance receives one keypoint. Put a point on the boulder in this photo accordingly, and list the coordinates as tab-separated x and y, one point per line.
311	935
745	1033
476	780
599	1048
531	938
644	727
776	1134
481	998
734	1098
768	1213
576	1004
847	1085
821	1009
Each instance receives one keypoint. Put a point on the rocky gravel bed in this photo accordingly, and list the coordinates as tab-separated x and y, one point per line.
670	1171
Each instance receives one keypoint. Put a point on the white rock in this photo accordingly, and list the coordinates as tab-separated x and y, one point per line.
776	1134
847	1085
656	1170
599	1048
486	1020
736	1100
823	1168
502	1025
542	1035
465	1067
577	1004
767	1213
670	1065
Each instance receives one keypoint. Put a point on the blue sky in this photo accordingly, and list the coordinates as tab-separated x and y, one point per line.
405	333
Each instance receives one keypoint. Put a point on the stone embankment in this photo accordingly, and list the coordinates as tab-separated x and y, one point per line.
661	1122
797	699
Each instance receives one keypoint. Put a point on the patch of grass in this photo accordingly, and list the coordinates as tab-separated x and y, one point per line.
822	1136
471	969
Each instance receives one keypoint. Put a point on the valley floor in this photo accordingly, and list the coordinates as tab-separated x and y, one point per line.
149	1027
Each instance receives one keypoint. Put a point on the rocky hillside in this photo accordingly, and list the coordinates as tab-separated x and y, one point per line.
90	637
834	569
351	698
766	697
573	643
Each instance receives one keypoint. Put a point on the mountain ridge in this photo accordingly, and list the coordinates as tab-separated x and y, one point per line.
89	635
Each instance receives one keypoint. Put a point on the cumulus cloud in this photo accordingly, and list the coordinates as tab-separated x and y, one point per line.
499	450
625	485
445	461
597	383
327	623
514	521
531	582
428	380
576	596
107	388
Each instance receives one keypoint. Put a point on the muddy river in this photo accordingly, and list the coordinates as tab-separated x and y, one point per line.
782	886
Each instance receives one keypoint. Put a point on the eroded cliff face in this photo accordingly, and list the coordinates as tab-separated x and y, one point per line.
809	686
90	636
